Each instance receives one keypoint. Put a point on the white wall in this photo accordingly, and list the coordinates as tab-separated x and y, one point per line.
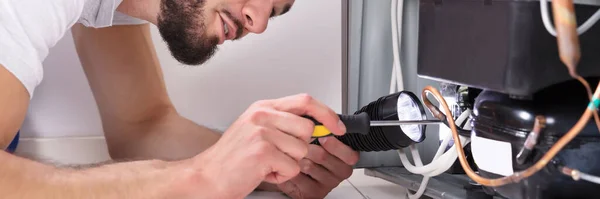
299	52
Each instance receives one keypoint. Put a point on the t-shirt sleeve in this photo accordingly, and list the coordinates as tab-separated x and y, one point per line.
18	54
123	19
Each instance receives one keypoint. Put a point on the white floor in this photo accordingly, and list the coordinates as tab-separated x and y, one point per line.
93	149
359	186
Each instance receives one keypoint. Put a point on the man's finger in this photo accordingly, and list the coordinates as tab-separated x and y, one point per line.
288	144
339	150
320	174
303	104
283	168
294	125
290	189
319	155
308	186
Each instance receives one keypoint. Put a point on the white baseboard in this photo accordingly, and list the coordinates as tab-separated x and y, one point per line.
68	150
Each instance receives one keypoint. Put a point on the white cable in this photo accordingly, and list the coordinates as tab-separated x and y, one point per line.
580	30
444	161
415	154
463	116
448	163
589	177
396	17
436	162
399	16
451	159
421	189
546	17
425	181
468	126
426	168
438	165
461	119
589	23
393	82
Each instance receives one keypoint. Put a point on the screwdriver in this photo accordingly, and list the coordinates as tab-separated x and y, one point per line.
361	123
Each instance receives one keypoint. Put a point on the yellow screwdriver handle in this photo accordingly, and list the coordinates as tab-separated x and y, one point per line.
321	131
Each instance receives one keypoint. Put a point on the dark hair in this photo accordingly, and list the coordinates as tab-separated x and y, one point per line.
181	26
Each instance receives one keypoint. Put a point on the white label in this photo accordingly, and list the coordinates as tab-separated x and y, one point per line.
492	156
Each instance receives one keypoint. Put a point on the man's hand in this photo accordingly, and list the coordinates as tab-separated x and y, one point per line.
323	169
267	143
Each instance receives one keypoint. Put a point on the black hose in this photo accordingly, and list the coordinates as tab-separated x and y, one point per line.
386	137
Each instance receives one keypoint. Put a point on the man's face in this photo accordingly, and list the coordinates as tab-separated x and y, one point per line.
192	29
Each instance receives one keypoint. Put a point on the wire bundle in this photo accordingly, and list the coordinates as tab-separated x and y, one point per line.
580	30
517	176
545	159
441	162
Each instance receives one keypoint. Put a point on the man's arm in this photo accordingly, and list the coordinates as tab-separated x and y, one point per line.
23	178
138	117
14	100
140	122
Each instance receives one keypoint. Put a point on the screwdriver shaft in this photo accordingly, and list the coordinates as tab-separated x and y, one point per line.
403	122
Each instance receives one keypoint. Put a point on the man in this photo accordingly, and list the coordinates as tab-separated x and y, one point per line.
169	156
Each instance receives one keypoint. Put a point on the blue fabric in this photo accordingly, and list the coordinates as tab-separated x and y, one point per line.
13	145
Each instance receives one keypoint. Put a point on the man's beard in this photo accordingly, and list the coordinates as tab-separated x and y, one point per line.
181	25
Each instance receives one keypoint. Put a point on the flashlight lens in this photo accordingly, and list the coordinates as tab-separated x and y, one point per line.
408	109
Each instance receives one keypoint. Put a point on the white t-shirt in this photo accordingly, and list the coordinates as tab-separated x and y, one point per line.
29	28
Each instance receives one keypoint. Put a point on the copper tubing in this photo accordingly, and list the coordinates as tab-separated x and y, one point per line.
531	141
540	123
566	34
518	176
589	93
435	111
578	175
568	42
570	172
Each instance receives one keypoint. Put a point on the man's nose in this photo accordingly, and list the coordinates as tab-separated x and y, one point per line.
257	16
